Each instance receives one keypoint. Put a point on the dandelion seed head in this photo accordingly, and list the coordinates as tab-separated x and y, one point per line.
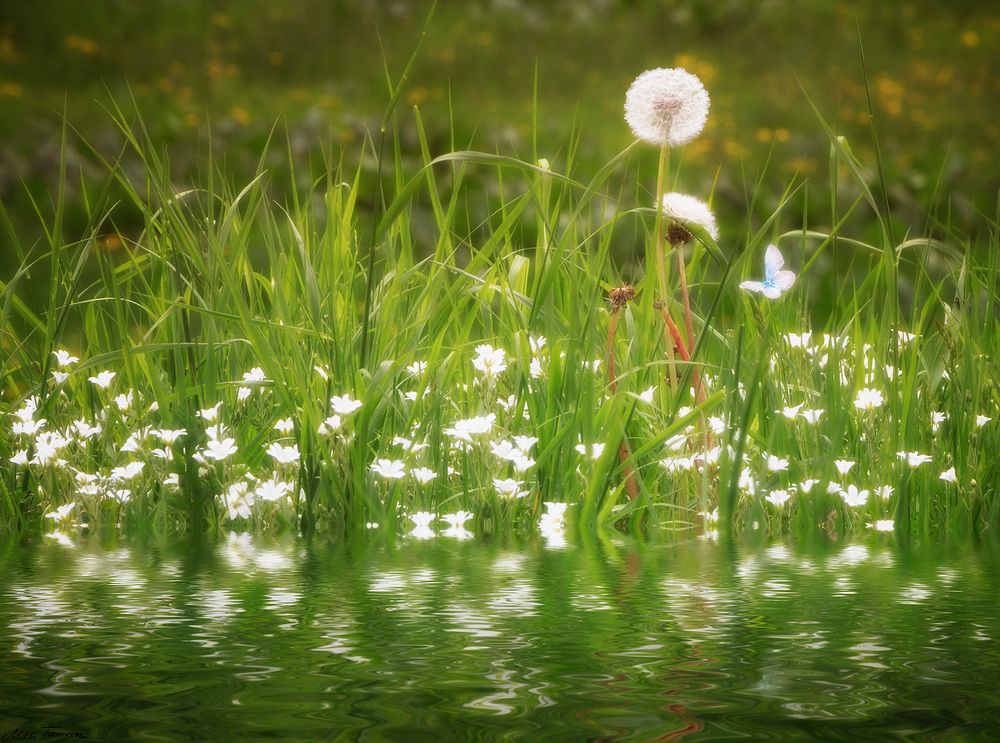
689	210
666	106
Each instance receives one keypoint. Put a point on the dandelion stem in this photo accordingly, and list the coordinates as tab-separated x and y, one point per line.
623	453
661	263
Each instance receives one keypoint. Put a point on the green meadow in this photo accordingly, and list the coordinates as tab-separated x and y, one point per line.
332	269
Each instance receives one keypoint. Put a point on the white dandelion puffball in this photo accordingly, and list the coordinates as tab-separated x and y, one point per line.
666	106
690	211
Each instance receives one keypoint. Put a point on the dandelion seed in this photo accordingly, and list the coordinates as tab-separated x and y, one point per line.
103	379
391	469
64	359
666	106
843	465
853	497
868	399
949	475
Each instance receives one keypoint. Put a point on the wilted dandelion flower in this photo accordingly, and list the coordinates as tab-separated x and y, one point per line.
689	210
666	106
868	399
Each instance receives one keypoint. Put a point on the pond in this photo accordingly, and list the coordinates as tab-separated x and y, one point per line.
597	639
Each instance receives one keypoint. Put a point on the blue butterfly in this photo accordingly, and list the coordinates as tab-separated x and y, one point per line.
775	280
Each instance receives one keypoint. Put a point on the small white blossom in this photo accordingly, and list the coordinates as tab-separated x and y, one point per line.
283	454
344	404
868	399
391	469
103	379
949	475
64	359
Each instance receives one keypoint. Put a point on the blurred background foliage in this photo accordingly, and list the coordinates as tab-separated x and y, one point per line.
223	73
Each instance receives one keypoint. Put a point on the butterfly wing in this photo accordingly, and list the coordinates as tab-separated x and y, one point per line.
773	262
783	280
752	286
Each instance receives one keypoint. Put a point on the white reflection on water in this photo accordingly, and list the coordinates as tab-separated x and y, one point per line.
914	593
217	605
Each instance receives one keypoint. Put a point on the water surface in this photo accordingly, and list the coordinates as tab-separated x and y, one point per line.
438	640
